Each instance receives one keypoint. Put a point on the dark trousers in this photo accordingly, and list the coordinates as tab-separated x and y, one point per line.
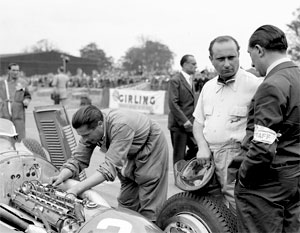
272	206
184	145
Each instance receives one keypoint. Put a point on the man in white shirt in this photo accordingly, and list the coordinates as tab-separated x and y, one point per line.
221	111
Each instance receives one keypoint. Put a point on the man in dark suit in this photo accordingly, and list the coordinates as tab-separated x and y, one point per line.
267	192
181	104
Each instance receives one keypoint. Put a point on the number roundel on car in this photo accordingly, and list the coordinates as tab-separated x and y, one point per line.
120	225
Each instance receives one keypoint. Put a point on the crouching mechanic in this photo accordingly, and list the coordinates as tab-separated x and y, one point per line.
135	150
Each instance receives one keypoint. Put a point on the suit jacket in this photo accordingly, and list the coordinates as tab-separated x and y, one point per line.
181	102
274	106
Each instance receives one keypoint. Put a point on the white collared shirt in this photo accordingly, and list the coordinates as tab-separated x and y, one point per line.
187	77
223	109
275	63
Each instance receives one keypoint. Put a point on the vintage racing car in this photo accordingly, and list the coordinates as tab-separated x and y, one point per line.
29	203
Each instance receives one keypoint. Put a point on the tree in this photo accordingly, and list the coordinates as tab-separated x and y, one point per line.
294	37
91	51
42	45
151	56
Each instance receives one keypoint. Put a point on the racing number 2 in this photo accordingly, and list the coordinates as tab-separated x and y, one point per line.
124	226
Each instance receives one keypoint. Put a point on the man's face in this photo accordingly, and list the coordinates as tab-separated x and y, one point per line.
90	136
225	59
14	72
257	60
190	65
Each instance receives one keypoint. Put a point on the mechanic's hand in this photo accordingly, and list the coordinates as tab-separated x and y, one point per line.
56	180
61	177
82	175
204	155
72	192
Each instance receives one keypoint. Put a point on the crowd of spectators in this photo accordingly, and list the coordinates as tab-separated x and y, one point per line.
116	78
161	82
108	78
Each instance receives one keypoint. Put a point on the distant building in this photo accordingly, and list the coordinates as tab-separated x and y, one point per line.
45	63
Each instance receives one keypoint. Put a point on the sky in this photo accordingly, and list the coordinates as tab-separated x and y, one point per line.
185	26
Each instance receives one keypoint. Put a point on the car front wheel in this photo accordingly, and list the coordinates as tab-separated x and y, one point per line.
189	213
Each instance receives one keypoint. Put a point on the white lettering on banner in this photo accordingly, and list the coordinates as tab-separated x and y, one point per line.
264	134
143	101
124	226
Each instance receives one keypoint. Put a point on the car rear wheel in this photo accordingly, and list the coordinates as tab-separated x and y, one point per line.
189	213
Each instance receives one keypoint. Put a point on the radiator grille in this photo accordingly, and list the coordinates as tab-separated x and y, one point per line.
70	137
53	143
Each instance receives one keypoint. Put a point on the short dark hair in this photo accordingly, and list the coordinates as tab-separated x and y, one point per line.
220	39
184	59
88	115
11	64
61	69
269	37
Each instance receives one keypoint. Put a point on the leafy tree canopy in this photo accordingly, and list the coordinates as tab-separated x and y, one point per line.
151	56
91	51
293	36
42	45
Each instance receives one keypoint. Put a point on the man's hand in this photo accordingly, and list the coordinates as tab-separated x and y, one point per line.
73	191
26	102
188	126
82	175
61	177
204	155
56	180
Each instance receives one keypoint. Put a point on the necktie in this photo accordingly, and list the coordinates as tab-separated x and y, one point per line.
191	82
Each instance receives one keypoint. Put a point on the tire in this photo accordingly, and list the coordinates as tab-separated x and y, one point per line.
190	213
34	146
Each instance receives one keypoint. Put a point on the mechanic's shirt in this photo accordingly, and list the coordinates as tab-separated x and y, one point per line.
126	134
273	127
222	108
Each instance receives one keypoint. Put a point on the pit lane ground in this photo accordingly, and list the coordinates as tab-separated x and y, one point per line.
108	190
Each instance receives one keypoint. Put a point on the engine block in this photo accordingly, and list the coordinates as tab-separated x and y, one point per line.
57	209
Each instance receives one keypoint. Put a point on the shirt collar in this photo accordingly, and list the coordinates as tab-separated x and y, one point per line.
231	83
186	75
103	139
275	63
222	82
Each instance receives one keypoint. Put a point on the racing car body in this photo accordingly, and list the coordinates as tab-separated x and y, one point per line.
29	203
